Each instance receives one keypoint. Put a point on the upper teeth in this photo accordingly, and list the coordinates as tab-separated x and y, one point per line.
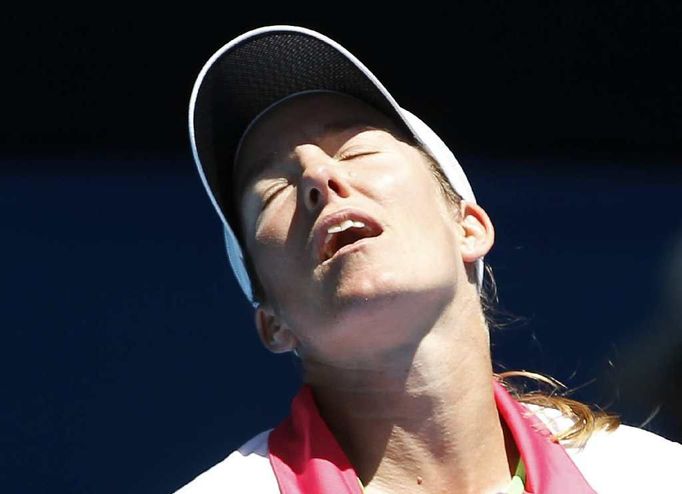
345	225
340	227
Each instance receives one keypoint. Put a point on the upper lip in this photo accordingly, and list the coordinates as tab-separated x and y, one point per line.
325	222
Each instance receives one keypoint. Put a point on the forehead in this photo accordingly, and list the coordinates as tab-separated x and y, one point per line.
311	115
308	118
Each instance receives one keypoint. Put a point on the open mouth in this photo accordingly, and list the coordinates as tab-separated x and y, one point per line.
345	232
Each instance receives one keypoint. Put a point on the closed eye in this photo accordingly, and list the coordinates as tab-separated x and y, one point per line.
272	191
349	155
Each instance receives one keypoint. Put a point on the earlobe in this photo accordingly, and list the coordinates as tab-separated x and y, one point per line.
478	233
274	335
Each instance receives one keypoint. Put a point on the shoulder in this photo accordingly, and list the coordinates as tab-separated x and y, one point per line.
245	470
627	459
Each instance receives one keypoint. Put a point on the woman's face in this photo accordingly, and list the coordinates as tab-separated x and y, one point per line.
346	226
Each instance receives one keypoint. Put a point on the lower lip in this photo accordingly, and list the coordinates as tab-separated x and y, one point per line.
346	249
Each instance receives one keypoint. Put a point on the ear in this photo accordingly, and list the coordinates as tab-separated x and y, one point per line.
478	233
274	335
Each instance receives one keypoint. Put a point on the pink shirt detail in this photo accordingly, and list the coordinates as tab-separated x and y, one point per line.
306	458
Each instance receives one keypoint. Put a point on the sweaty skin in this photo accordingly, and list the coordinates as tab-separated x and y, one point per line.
390	332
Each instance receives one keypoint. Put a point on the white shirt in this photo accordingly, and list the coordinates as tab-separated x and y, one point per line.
625	461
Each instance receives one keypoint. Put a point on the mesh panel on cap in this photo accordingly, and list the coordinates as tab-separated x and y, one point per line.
266	69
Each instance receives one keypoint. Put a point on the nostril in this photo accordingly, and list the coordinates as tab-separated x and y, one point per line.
333	186
314	196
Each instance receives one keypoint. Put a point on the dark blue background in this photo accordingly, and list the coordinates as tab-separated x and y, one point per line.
129	362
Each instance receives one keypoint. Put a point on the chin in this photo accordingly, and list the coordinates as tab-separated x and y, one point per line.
377	311
374	297
367	286
370	292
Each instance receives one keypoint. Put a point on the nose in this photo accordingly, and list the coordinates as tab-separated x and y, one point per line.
321	180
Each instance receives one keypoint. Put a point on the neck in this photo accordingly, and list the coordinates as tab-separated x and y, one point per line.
424	420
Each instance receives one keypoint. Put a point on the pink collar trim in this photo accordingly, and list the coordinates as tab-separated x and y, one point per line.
306	458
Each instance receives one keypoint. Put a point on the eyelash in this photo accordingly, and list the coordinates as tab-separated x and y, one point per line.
273	193
351	155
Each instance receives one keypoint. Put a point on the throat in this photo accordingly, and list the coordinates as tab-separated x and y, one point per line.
425	443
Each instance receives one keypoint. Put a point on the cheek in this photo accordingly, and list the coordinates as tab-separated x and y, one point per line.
275	254
424	221
389	181
272	226
411	190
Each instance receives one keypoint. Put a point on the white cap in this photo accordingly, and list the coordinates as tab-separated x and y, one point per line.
258	69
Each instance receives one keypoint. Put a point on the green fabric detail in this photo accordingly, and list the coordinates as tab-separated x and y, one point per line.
521	470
